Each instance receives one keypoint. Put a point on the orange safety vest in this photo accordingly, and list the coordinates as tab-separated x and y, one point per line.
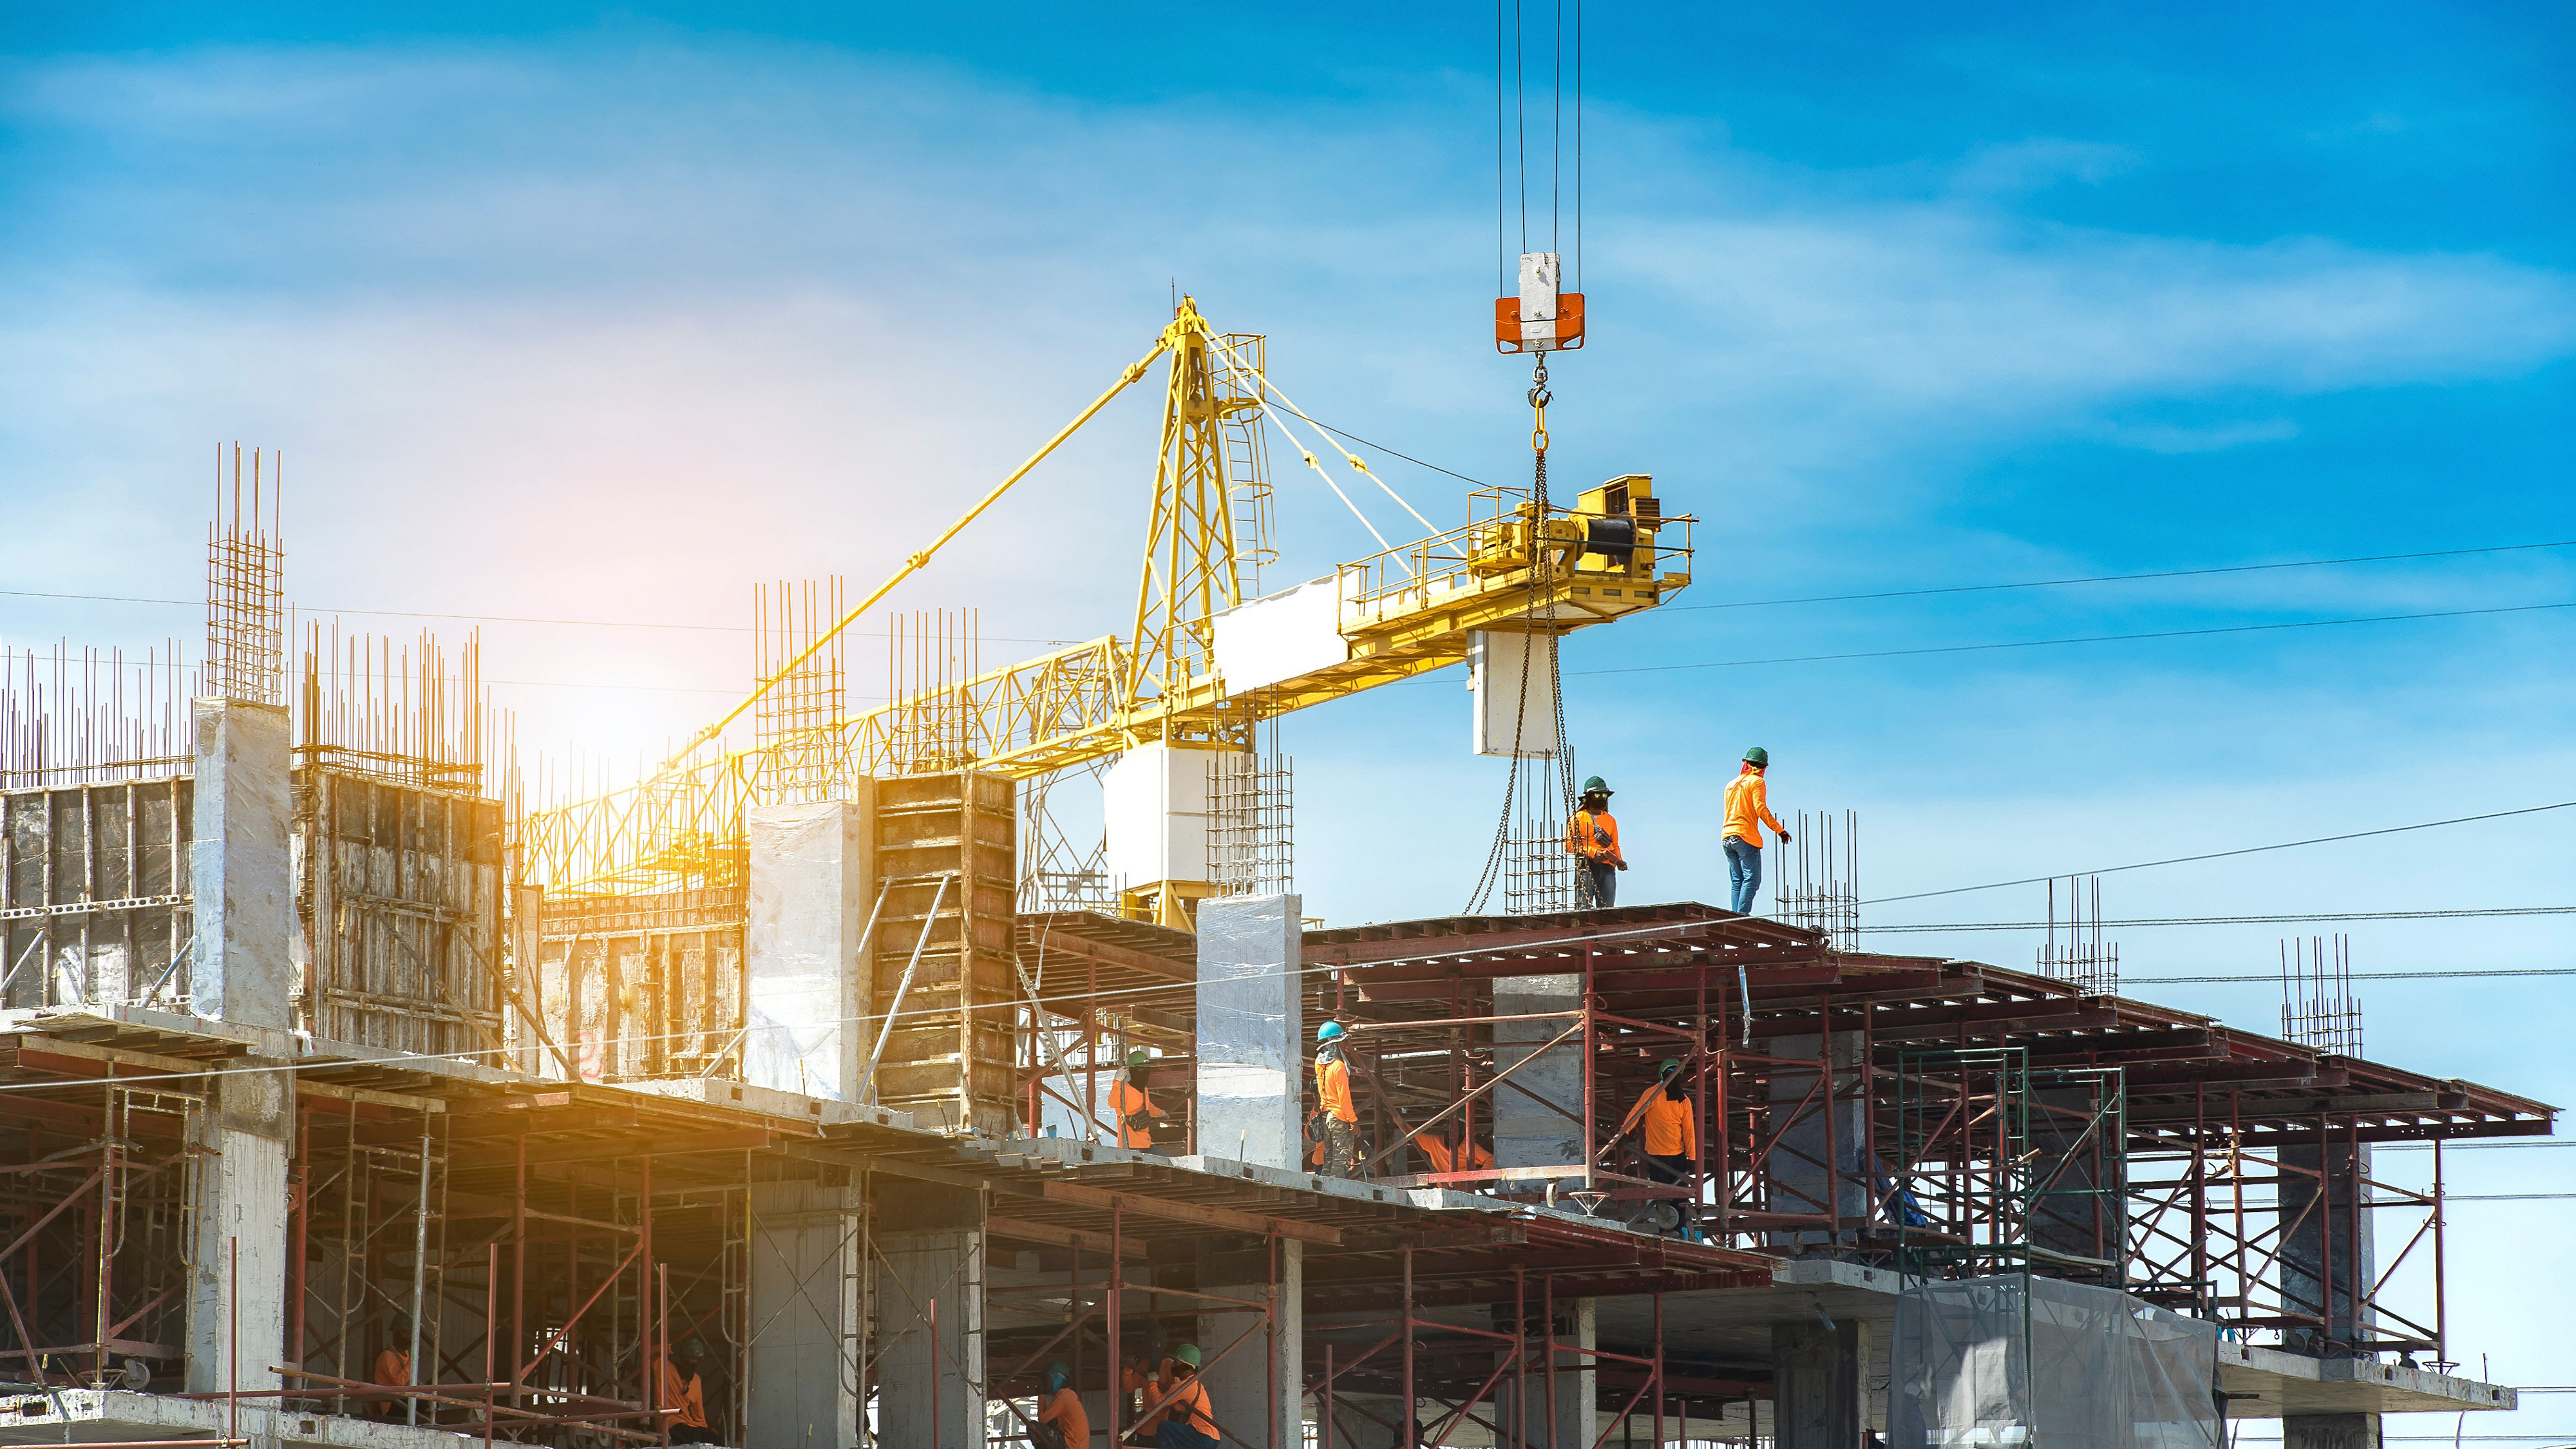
684	1400
1594	836
1132	1106
1672	1130
1065	1411
1748	808
1189	1400
1333	1089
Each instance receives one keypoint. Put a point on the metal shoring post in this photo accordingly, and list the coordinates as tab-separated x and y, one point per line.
1659	1372
1866	1088
1412	1438
519	1277
1270	1319
419	1270
1699	1099
2325	1233
1520	1356
1115	1303
2361	1286
491	1327
1589	1146
935	1435
299	1213
2200	1272
232	1370
662	1336
646	1370
1825	1093
2441	1306
1725	1144
1327	1396
1547	1362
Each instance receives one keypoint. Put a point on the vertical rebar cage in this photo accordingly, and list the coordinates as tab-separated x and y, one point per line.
245	588
1819	881
1251	842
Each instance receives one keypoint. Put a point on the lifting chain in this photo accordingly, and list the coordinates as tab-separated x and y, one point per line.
1539	397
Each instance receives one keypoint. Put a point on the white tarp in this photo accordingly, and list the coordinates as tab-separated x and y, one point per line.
1154	803
1251	1029
2010	1361
1295	631
808	987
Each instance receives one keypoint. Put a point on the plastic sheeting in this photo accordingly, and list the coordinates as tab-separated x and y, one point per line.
1251	1029
808	986
2013	1361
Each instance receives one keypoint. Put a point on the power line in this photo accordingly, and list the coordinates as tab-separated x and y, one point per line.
476	618
2463	913
2225	854
2470	974
2080	639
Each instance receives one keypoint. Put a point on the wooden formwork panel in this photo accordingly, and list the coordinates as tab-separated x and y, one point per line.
949	841
398	892
634	987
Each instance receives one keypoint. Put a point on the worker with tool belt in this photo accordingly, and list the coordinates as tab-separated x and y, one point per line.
1592	837
1127	1098
1748	809
1333	1100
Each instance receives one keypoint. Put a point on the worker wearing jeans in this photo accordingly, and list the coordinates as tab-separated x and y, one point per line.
1592	838
1748	809
1333	1099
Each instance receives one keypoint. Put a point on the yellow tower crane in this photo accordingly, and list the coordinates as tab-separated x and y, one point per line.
1202	665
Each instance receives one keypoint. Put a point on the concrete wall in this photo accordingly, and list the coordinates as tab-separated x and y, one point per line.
1526	1132
243	967
806	1278
2307	1236
930	1246
811	870
1264	1370
1798	1162
1521	1412
1251	1030
1820	1384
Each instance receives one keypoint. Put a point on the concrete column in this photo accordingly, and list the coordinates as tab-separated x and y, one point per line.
2330	1431
806	1275
1523	1423
241	971
1820	1384
1251	1030
1262	1376
812	866
1797	1164
244	903
1526	1132
931	1242
2317	1216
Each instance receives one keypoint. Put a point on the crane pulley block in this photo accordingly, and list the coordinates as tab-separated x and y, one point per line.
1541	318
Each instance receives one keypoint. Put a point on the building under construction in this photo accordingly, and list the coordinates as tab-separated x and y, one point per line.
798	1064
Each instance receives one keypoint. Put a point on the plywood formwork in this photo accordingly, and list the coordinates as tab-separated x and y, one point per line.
941	959
637	987
398	893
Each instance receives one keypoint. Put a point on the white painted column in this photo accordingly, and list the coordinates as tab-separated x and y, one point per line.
812	866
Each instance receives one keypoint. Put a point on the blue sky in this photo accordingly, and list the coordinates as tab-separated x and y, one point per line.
605	314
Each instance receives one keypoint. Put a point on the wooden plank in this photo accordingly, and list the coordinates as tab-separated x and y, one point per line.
1023	1231
1182	1212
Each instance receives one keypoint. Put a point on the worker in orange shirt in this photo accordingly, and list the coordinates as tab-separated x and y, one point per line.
1182	1418
393	1366
1667	1128
1127	1098
684	1395
1748	809
1444	1158
1333	1099
1063	1415
1592	837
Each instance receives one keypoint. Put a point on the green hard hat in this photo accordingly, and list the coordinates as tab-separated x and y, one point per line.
1758	756
694	1348
1187	1353
1670	1066
1329	1031
1059	1372
1595	785
1140	1058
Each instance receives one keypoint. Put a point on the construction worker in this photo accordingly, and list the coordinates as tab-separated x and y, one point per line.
393	1366
1444	1158
1181	1418
684	1395
1333	1099
1592	837
1668	1131
1136	1382
1063	1416
1748	809
1127	1098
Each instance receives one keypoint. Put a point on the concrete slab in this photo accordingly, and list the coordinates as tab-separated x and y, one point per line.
93	1416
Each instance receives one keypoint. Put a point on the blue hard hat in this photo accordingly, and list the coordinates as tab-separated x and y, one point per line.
1329	1031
